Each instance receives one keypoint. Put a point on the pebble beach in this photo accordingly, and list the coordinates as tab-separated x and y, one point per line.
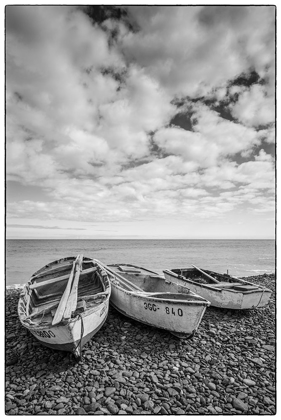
228	367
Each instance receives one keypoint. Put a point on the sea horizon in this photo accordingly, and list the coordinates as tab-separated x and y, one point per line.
239	257
139	239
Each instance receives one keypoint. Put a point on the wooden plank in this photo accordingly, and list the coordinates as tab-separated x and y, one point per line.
72	298
226	284
205	274
60	310
129	270
52	270
50	281
43	309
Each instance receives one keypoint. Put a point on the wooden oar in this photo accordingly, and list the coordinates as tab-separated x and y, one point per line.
60	310
205	274
119	276
72	299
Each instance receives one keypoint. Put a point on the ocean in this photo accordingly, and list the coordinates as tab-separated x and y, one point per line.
239	257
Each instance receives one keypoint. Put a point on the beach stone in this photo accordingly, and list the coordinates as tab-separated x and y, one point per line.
242	395
202	400
62	400
9	406
211	386
92	394
239	405
268	347
172	392
249	382
190	389
164	411
109	391
268	401
112	408
143	397
148	405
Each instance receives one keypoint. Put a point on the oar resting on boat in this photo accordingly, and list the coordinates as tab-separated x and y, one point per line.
61	308
72	299
205	274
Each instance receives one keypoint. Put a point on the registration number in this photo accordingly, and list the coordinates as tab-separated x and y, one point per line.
169	309
44	334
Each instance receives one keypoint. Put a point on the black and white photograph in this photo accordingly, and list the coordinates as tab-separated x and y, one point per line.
140	151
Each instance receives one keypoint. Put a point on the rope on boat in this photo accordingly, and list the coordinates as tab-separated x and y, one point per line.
261	297
79	344
42	317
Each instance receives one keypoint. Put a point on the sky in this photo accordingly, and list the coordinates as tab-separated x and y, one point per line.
140	122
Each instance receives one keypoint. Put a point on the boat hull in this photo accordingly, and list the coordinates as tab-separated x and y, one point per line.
181	318
224	298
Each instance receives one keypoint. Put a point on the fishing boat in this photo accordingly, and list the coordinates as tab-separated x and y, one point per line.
65	303
145	296
222	290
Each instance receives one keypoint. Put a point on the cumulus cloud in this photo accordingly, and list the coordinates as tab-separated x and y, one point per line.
213	138
254	107
90	105
192	49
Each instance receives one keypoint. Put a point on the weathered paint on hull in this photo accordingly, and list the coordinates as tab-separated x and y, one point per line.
222	298
67	335
180	317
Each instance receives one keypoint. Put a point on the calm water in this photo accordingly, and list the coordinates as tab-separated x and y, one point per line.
240	258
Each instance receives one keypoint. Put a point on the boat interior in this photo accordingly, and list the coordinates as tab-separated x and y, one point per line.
140	280
213	279
47	286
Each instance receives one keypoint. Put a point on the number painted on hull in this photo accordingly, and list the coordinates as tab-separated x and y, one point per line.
171	311
150	306
44	334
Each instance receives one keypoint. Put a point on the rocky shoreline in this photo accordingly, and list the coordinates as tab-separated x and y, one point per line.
228	367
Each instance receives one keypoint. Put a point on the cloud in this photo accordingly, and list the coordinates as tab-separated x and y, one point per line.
41	227
190	50
89	108
254	107
212	138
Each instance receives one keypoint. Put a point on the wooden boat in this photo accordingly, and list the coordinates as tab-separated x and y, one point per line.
145	296
221	290
65	303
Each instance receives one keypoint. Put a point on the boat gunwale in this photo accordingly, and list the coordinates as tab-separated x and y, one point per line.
134	266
